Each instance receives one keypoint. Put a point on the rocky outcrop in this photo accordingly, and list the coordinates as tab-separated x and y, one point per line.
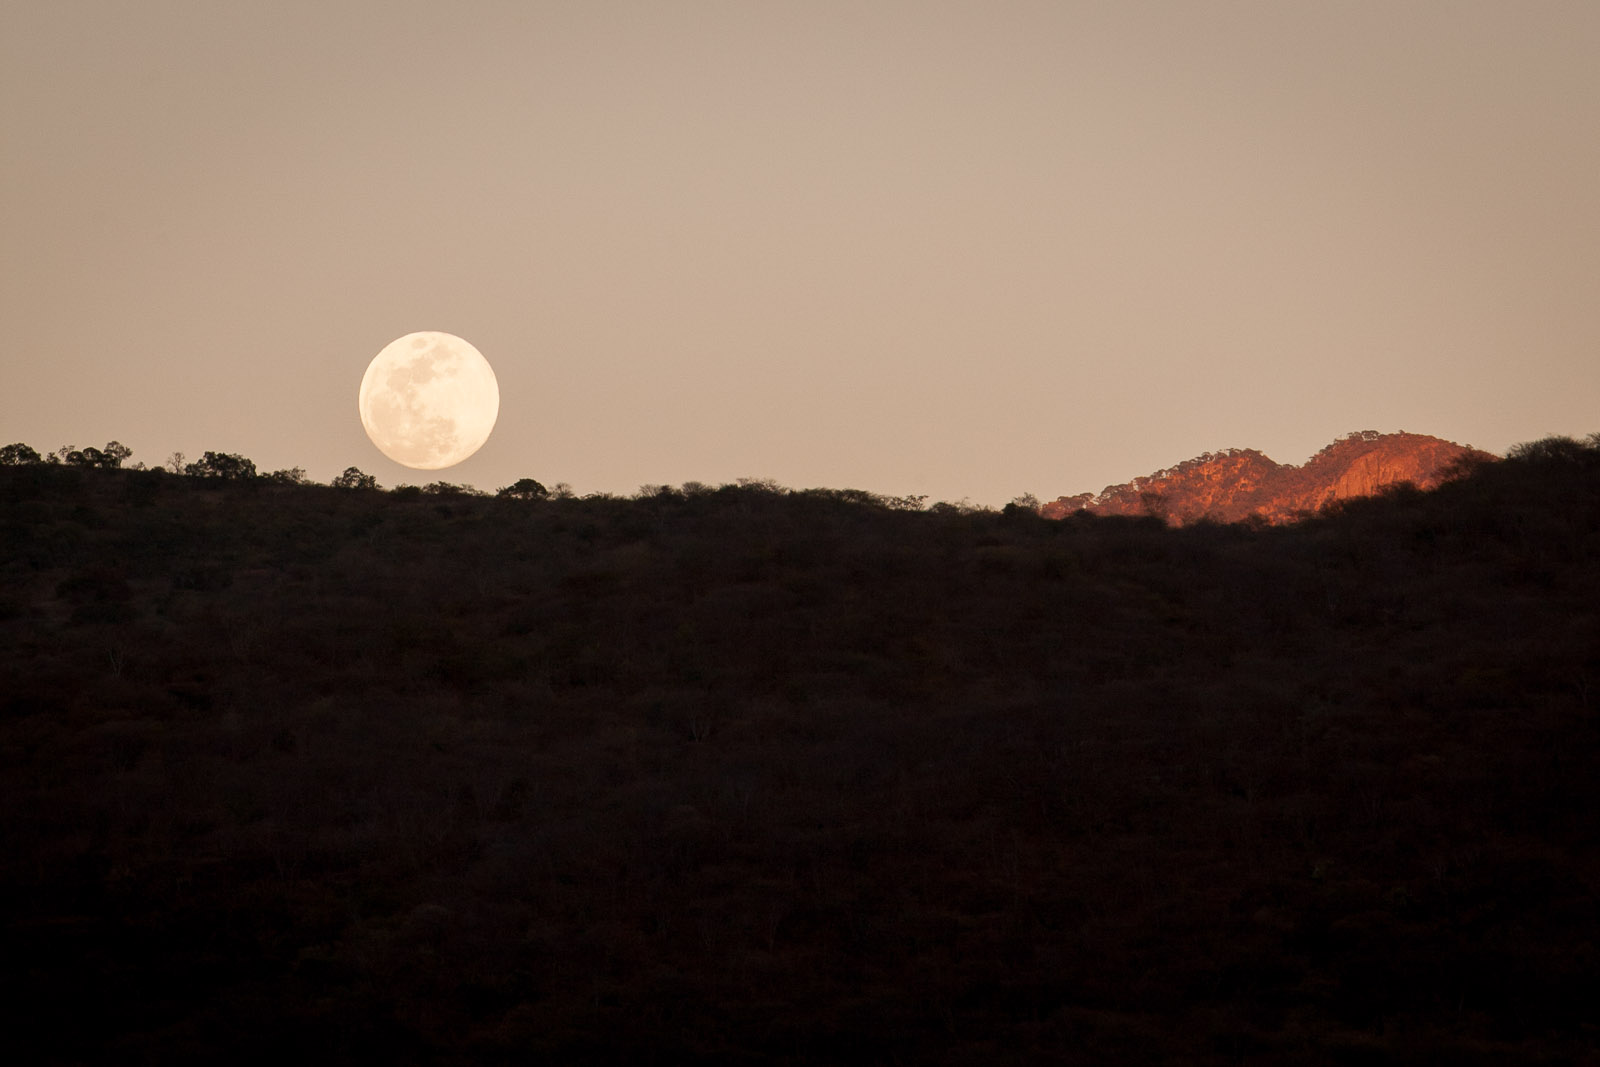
1240	484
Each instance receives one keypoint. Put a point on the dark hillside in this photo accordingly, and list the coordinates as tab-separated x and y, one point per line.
744	775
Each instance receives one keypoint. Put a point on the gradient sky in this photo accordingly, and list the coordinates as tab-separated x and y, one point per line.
963	249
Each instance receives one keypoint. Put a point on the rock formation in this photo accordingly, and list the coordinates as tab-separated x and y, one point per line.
1239	484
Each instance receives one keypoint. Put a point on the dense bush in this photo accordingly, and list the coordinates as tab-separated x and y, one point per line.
741	774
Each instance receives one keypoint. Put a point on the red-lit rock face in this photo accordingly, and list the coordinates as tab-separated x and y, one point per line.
1240	484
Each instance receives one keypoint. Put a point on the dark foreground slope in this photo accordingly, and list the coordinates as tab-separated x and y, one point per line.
747	776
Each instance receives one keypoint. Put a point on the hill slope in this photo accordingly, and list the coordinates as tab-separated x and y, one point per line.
1240	484
743	775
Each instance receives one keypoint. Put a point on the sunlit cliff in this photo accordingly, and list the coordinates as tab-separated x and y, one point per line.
1238	484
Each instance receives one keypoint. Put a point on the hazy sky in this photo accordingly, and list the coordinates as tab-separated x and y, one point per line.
962	249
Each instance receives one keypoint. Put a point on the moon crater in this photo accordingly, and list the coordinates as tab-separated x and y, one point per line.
429	400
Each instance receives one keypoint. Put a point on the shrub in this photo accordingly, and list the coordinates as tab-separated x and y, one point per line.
292	476
524	489
353	478
226	466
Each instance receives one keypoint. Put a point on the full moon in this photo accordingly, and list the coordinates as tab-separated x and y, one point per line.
429	400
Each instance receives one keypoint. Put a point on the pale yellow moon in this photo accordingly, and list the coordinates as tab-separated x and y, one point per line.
429	400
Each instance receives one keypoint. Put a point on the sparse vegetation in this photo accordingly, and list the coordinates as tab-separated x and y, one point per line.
742	774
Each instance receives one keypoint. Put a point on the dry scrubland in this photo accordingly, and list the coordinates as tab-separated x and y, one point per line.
747	775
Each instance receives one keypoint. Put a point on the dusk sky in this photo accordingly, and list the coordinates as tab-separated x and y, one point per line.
969	250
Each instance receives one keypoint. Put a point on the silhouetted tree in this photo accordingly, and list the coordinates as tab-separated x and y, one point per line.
1558	448
524	489
761	485
1025	506
292	476
353	478
656	492
227	466
959	507
107	458
451	489
1154	503
85	457
19	455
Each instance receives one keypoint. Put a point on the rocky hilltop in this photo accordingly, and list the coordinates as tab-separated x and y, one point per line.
1238	484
